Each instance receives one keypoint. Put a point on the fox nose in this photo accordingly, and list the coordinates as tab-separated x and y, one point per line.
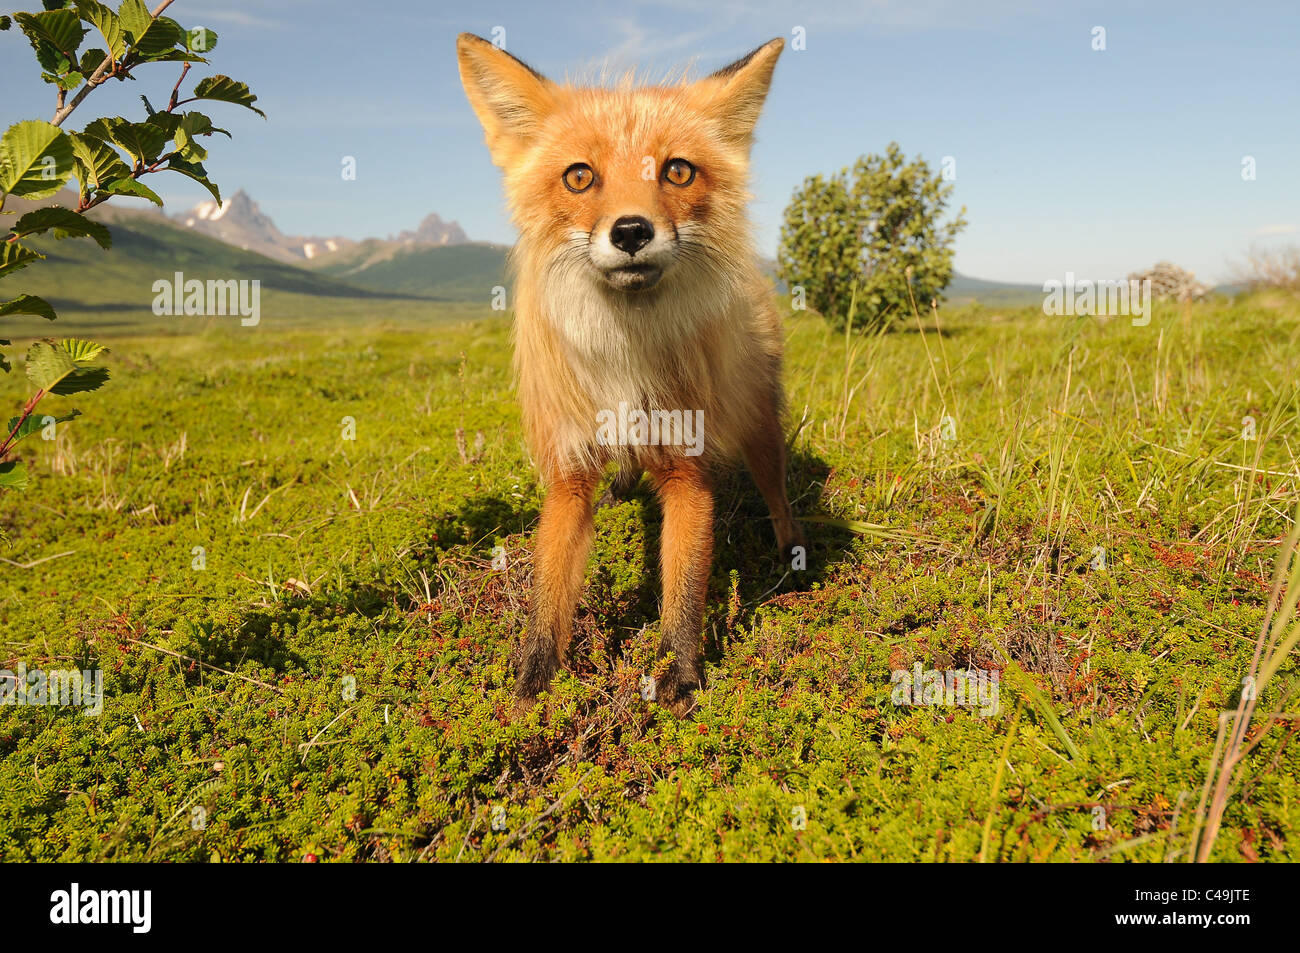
631	233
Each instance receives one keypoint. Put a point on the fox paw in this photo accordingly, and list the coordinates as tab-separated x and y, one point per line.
794	551
676	691
536	670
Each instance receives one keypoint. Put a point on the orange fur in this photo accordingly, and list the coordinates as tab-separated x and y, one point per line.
700	332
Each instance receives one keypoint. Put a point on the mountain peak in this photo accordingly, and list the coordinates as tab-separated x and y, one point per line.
237	220
434	231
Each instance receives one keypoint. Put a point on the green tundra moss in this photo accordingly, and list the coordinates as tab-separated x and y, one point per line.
335	681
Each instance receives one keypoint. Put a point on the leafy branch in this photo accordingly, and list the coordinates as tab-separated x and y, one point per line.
64	367
107	157
110	67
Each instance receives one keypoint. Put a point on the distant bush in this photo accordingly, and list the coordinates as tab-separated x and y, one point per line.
1277	268
874	227
108	157
1171	283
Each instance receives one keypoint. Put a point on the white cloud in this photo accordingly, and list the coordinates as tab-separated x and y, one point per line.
235	18
711	34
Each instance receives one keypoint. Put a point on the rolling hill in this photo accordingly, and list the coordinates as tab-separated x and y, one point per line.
963	289
78	273
428	264
96	289
466	272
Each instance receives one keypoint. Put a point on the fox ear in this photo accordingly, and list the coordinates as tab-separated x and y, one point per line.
738	91
510	98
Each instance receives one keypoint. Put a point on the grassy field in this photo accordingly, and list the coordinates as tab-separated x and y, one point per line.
334	682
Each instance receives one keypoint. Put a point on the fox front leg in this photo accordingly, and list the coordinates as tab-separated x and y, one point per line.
559	563
686	556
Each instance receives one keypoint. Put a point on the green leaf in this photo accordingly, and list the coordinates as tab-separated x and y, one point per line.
130	186
195	123
191	125
143	141
13	476
81	350
66	224
227	90
196	172
96	163
135	18
48	364
53	63
91	60
56	369
81	380
27	304
201	125
14	256
34	423
201	40
61	29
35	159
176	56
164	120
69	81
160	37
107	23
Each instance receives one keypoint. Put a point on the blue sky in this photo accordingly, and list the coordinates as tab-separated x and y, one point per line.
1066	158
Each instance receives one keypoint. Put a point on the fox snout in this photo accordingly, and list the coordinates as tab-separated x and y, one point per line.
631	233
630	253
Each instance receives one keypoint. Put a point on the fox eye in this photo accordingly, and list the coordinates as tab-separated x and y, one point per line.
679	172
578	177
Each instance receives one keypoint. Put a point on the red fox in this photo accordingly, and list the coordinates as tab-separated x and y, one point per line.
638	300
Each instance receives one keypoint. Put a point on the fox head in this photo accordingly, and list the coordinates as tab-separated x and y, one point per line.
635	188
